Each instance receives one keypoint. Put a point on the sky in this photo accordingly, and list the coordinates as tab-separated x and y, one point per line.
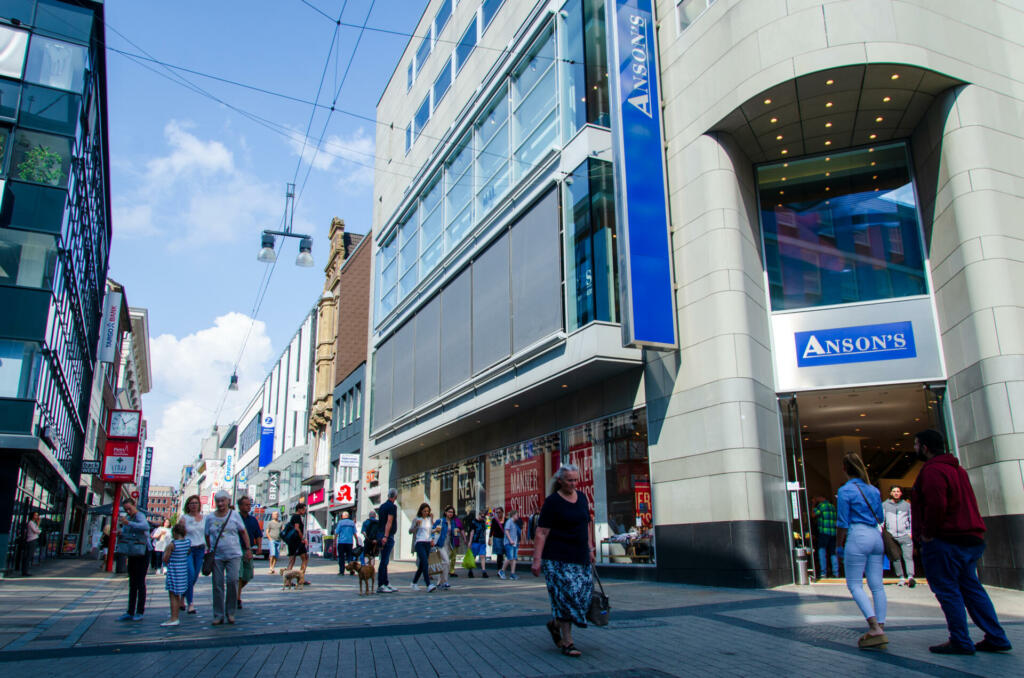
197	175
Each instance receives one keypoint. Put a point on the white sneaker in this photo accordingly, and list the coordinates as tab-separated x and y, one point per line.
414	587
901	582
170	622
431	588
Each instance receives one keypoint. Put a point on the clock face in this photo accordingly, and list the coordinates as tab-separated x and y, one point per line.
124	424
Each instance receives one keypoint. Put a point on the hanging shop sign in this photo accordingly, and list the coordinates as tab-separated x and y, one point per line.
645	255
315	497
119	459
266	440
345	494
91	466
109	328
348	460
273	483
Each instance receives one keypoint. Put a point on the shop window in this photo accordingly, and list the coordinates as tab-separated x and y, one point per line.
41	158
54	63
535	93
591	271
688	10
458	206
841	228
10	92
492	178
465	47
12	51
19	368
27	259
50	110
64	20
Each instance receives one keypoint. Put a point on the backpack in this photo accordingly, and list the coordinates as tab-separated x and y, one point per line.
372	530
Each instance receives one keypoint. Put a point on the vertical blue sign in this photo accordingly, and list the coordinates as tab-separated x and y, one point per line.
266	440
645	257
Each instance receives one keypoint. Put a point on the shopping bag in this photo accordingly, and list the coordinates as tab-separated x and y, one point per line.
468	561
434	563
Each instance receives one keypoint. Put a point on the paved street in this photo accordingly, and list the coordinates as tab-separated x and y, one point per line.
63	623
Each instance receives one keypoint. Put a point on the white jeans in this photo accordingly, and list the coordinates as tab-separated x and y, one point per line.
863	555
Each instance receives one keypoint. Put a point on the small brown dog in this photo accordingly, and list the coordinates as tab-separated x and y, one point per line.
292	579
366	574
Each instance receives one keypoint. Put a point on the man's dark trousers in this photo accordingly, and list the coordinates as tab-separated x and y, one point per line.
952	575
344	555
385	556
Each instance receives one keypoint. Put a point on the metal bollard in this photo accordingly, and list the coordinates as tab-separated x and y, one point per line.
801	566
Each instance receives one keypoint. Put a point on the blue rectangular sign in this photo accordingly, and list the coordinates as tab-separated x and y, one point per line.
645	269
266	440
864	343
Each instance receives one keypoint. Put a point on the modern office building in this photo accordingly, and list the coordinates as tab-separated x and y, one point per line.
54	242
843	181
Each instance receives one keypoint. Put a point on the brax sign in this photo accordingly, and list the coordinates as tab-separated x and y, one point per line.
864	343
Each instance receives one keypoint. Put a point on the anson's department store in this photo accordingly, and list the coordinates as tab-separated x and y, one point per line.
843	198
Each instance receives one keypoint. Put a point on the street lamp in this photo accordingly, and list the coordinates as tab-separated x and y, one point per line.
267	254
233	384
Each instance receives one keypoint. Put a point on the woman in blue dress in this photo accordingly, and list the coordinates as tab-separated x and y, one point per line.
177	562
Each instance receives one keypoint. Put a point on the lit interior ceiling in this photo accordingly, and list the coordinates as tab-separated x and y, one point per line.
833	109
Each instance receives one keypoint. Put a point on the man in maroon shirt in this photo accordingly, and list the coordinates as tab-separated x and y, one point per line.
948	528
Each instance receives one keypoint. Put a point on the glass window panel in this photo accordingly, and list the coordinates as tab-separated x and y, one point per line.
27	259
389	301
459	227
422	52
405	344
410	245
382	384
590	262
55	63
409	77
828	225
443	82
535	106
408	137
422	115
493	156
41	158
596	63
49	109
390	249
487	11
456	330
10	91
462	159
689	10
64	20
534	148
407	283
428	352
573	77
19	368
22	10
431	197
33	207
534	67
491	312
536	274
491	122
5	138
466	44
444	13
12	50
431	257
389	276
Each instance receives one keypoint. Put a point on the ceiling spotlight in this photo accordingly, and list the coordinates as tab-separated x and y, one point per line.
828	104
305	258
879	119
767	101
773	120
267	254
886	100
830	81
827	158
894	76
872	136
828	124
778	137
784	151
828	142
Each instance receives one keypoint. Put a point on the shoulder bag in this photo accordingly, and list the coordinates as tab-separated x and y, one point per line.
889	545
131	542
600	607
211	555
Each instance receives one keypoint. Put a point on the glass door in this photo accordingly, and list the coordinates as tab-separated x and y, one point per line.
797	505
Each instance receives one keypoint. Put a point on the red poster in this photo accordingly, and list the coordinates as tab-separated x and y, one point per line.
119	459
524	492
582	457
642	503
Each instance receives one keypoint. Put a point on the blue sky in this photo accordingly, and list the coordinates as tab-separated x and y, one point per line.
194	182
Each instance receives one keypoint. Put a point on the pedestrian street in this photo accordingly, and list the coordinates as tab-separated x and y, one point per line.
63	623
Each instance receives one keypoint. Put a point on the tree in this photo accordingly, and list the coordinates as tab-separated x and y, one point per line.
41	165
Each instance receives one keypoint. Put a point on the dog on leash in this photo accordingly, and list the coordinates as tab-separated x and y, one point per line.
366	574
292	579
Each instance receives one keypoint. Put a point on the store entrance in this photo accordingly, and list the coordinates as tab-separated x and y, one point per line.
819	427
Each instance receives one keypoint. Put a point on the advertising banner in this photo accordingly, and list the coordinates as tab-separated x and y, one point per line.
273	483
147	470
108	328
642	503
582	457
266	440
645	256
524	492
119	458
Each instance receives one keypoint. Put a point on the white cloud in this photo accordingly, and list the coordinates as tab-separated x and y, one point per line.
350	156
195	194
191	375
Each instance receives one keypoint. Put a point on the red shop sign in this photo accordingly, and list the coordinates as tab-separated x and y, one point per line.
315	497
119	458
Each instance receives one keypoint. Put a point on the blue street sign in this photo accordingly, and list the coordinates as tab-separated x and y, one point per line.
266	440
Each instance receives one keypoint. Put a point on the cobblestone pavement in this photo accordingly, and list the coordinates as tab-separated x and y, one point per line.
63	623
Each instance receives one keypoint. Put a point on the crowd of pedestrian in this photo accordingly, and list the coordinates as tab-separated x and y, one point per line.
941	520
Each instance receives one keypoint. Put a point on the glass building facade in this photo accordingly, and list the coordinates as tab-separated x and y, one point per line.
54	245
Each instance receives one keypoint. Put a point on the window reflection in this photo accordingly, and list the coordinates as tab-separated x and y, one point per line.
58	64
19	368
12	51
590	267
27	259
841	228
10	91
41	158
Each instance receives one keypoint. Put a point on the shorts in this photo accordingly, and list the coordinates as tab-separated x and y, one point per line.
479	549
245	572
511	551
275	548
297	548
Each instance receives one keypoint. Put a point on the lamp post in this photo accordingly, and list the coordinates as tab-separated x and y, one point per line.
267	254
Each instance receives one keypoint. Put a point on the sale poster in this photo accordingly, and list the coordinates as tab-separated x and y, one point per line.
642	503
524	492
582	457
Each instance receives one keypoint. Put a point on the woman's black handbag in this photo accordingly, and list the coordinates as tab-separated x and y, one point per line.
600	608
210	556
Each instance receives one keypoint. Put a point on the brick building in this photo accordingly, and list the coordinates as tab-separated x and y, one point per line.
163	502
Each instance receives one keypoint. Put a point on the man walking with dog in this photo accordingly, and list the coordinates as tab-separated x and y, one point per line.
388	518
345	531
273	531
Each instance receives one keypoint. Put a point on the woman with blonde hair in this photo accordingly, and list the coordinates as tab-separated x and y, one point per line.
859	543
